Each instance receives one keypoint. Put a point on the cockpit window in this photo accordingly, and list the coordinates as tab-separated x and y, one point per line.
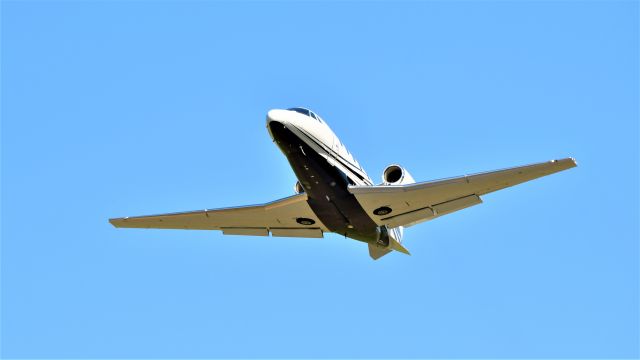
306	112
301	111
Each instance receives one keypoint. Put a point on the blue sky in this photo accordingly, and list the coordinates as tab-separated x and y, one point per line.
125	108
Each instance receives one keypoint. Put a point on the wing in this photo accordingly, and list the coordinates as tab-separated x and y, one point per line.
290	216
406	205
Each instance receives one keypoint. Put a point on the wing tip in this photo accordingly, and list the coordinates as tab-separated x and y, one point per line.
117	222
567	163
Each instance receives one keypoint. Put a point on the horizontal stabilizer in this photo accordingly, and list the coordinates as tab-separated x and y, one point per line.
376	252
395	245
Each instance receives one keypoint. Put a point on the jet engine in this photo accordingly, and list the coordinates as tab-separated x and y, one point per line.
396	175
298	188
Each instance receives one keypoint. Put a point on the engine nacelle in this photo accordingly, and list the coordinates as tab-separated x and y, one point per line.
396	175
298	188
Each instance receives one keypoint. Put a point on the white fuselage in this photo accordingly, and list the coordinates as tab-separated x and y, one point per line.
319	136
325	169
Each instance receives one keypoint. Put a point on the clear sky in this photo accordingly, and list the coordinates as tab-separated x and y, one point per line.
128	108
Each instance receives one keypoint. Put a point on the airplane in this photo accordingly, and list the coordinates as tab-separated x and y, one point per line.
334	193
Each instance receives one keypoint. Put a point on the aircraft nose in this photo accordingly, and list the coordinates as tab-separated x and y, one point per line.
277	115
277	120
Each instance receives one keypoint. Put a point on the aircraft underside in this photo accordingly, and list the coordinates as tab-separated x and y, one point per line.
326	187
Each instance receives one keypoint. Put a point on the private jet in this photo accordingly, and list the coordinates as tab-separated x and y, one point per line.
334	193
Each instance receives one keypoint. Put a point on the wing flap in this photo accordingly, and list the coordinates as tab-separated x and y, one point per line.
409	218
246	231
457	204
305	233
415	217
